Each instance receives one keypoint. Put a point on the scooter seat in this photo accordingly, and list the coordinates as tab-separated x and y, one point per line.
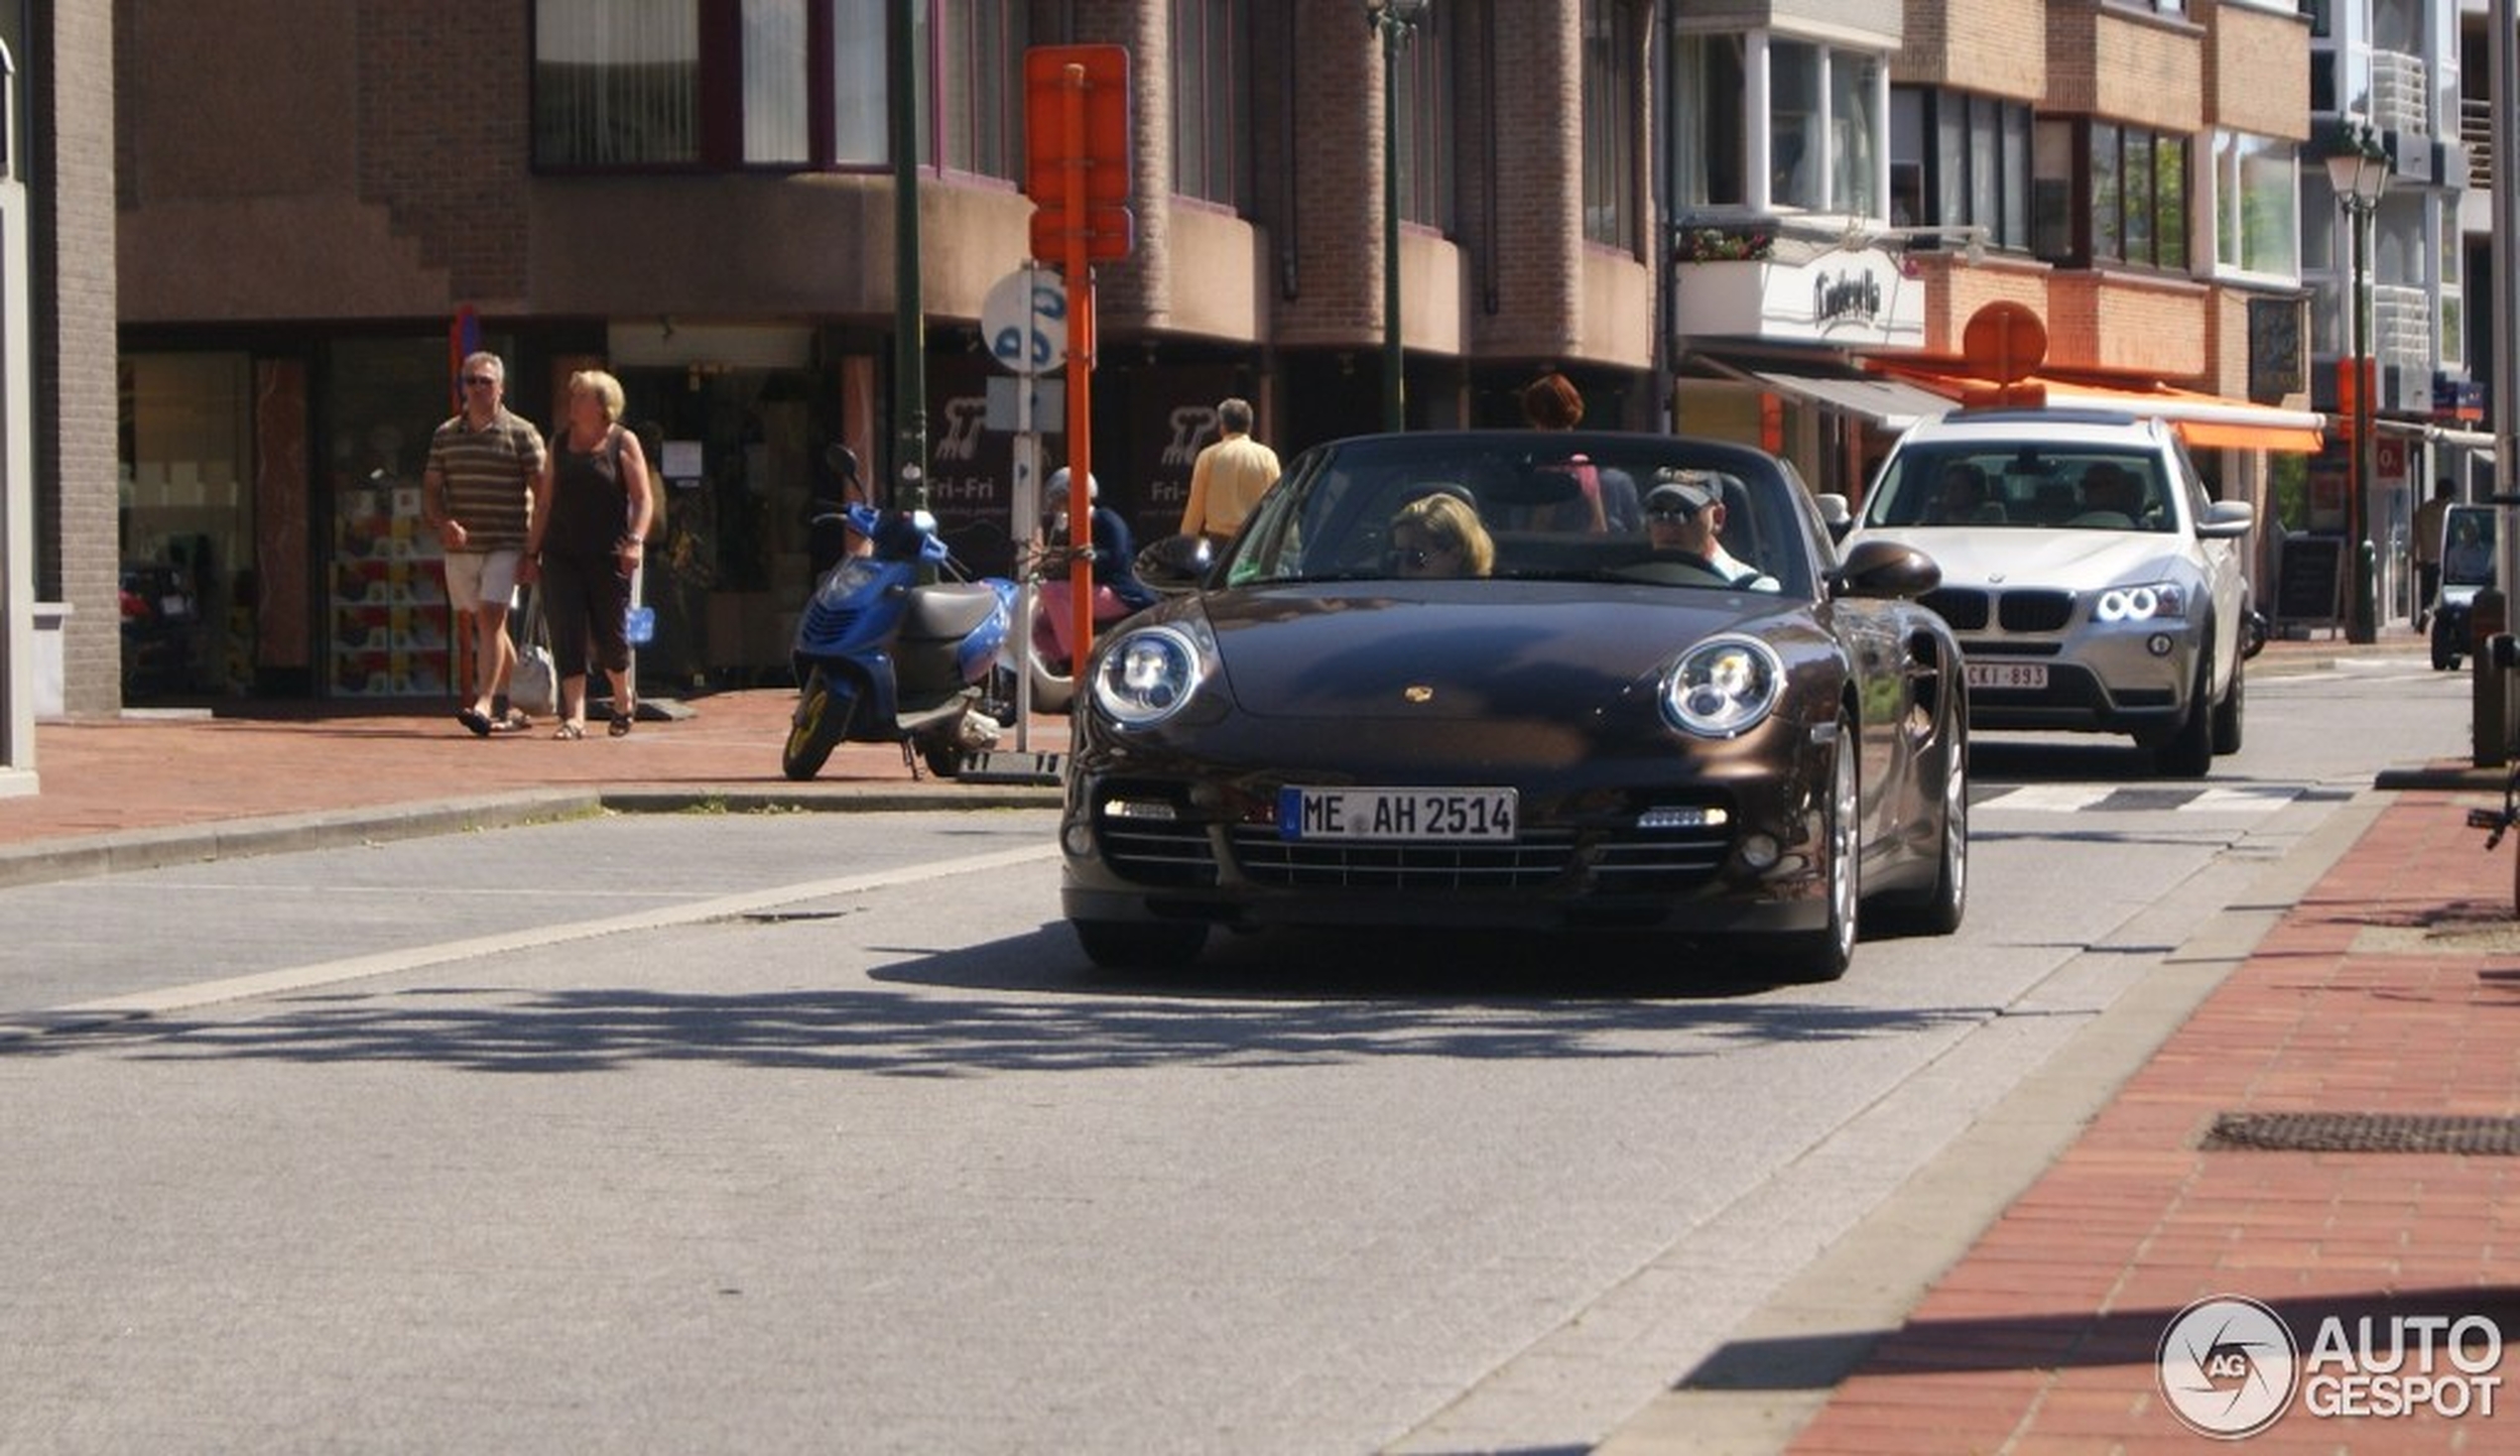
949	611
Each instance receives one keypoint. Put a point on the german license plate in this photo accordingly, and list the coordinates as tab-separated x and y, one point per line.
2026	676
1422	815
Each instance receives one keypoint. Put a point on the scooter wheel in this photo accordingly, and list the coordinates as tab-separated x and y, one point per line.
821	721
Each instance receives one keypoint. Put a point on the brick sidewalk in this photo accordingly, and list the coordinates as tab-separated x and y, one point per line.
149	772
2393	988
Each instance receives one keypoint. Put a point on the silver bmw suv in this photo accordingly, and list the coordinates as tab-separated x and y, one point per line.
2094	585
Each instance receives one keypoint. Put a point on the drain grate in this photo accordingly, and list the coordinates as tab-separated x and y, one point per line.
2364	1131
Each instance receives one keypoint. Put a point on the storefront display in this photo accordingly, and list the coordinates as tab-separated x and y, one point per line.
389	598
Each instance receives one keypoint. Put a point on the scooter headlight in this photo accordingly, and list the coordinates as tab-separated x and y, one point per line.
1722	687
1147	676
852	577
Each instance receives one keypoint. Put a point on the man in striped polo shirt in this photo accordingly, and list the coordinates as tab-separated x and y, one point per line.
478	492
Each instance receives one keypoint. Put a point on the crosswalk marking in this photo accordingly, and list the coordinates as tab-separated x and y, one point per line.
2076	798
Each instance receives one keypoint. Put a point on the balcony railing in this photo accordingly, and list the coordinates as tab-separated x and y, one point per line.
2477	129
2398	101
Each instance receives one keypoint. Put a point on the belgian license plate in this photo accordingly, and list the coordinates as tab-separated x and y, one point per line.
1422	815
2028	676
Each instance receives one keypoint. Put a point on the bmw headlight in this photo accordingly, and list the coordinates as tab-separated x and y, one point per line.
2151	601
1147	676
1722	687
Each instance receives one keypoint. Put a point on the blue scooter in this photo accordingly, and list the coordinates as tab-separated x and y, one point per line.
881	659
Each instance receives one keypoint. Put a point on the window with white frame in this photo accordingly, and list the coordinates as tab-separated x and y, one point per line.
1709	128
1824	126
2257	205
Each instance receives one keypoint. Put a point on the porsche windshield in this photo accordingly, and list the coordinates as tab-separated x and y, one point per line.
1521	505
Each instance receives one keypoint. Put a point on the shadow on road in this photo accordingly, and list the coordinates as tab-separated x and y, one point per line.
1029	1004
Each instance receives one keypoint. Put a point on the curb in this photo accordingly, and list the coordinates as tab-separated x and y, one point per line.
44	861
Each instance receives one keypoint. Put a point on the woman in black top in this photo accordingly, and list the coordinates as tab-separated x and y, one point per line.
591	510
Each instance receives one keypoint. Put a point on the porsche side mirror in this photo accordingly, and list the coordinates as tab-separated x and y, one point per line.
1176	563
1885	569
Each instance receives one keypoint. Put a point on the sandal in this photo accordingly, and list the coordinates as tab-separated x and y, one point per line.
515	722
621	723
477	722
569	731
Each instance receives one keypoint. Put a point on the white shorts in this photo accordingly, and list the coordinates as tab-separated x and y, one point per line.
474	577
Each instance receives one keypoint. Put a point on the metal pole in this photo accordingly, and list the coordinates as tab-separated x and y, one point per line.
2359	612
1395	412
909	342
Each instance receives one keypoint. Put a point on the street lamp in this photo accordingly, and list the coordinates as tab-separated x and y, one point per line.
2359	170
1391	20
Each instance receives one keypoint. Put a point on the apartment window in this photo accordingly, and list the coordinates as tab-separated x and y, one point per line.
1211	101
979	66
1959	159
1709	120
2108	193
1611	122
722	85
1824	128
1424	73
2257	205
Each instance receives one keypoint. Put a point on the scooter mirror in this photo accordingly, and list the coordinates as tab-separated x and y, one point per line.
841	462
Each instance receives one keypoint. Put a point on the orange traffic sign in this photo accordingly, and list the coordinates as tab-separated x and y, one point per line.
2005	342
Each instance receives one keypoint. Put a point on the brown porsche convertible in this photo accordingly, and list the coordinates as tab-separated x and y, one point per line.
1558	682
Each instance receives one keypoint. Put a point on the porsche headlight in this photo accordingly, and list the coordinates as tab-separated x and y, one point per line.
2148	602
1147	676
1722	687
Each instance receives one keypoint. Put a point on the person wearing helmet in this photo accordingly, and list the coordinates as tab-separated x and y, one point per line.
1114	549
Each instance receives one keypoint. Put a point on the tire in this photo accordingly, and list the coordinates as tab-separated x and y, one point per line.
2445	647
943	758
821	721
1939	909
1811	957
1141	946
2189	752
2229	714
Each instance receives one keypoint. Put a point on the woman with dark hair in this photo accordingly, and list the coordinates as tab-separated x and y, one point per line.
1610	498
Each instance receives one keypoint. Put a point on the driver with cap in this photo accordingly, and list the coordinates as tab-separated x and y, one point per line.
1683	513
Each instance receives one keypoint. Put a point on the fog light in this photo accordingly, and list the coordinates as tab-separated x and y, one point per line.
1077	839
1679	817
2159	643
1759	851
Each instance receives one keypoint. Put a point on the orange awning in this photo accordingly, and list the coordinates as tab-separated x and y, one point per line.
2204	421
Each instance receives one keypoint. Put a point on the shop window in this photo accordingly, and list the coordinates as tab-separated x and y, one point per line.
383	590
186	524
1425	111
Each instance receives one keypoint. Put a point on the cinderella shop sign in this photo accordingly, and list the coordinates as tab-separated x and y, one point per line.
1855	298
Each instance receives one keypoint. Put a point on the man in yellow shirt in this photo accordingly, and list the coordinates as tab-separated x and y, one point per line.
1228	476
